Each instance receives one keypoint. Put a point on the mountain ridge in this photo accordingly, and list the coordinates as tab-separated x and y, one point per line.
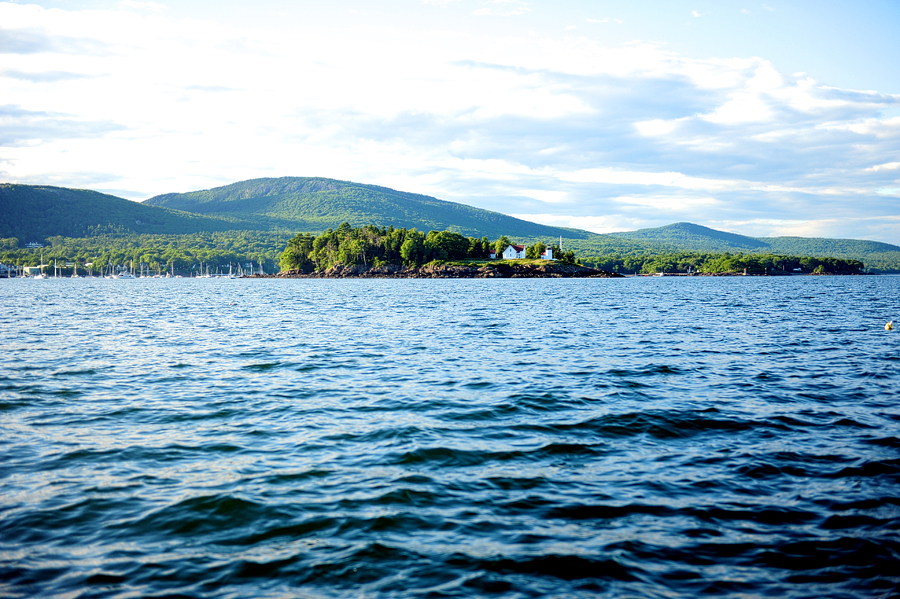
315	204
281	207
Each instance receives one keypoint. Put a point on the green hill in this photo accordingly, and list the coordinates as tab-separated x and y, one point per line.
315	204
270	211
36	212
825	246
688	237
693	238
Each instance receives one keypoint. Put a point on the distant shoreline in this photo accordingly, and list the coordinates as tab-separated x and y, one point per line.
754	274
502	270
505	270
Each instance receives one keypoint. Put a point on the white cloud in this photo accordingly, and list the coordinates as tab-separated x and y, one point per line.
887	166
695	14
503	8
151	6
559	126
549	196
596	224
666	179
655	127
605	20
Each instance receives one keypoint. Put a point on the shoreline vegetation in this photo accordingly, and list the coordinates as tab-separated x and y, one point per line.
389	253
372	251
248	224
501	269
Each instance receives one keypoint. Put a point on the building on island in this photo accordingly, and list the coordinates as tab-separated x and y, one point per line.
548	254
492	254
514	252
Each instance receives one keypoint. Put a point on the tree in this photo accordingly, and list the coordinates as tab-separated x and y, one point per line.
296	256
413	249
534	251
446	245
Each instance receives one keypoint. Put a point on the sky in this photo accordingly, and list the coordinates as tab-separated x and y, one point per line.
765	119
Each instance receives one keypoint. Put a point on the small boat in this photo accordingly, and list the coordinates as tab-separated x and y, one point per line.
40	274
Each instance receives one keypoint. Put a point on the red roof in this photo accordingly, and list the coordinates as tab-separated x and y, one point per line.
519	248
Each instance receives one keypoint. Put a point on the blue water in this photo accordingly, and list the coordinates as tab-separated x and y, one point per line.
666	437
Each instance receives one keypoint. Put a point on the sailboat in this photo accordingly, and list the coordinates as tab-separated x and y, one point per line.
75	271
127	274
40	274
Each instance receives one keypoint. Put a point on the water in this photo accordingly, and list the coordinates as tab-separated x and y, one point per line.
663	437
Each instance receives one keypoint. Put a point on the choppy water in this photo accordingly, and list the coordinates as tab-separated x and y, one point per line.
453	438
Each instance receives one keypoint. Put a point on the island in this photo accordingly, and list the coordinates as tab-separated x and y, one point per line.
437	270
397	253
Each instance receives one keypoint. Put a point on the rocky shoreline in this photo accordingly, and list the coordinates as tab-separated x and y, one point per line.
500	270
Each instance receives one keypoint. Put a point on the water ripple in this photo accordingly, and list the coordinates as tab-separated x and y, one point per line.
613	438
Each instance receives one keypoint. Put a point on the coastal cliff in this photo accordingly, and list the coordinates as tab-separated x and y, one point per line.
449	271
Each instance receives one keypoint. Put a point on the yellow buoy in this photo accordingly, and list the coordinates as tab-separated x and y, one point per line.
889	326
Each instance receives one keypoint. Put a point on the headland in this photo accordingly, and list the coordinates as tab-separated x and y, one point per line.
499	270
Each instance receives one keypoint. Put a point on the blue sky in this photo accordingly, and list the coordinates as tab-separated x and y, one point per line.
775	118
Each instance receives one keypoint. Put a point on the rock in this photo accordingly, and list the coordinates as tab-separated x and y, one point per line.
452	271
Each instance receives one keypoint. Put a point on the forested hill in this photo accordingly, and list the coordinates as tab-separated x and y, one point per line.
688	237
36	212
819	246
694	238
316	204
276	209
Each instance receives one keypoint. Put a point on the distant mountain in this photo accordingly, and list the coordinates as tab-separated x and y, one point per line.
281	207
821	246
36	212
694	238
688	237
313	205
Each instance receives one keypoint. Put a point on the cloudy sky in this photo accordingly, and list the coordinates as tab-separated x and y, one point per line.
775	118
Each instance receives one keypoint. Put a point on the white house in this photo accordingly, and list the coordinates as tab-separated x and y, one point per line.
548	254
514	252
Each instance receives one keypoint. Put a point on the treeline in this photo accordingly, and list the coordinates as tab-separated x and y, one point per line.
683	262
374	246
181	253
34	213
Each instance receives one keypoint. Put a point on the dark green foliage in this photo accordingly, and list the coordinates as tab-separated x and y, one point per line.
373	246
158	252
317	204
534	251
501	244
691	237
447	245
274	208
682	262
34	213
565	257
634	248
296	255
